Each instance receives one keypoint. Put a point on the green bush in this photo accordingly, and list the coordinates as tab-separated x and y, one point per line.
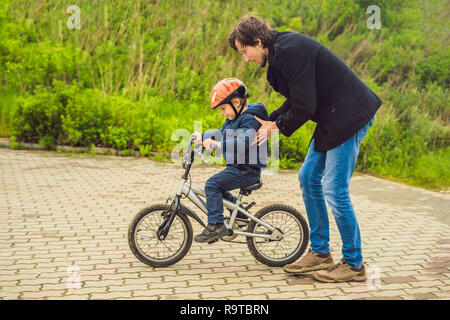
435	68
86	119
38	117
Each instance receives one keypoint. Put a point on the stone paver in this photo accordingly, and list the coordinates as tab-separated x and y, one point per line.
64	222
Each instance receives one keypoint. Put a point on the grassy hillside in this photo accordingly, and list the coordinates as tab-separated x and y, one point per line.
137	70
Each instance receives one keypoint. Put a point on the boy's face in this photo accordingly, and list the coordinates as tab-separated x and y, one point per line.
227	111
257	54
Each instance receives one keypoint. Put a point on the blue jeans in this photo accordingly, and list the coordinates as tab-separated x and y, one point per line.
336	167
218	186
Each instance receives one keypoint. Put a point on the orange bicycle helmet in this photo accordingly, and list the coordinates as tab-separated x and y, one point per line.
225	90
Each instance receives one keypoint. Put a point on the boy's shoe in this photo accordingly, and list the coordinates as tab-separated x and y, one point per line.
310	262
341	272
212	232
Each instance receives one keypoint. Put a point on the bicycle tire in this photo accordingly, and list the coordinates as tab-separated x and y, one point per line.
178	255
252	242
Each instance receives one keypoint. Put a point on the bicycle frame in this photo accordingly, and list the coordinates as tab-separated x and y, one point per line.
193	193
259	229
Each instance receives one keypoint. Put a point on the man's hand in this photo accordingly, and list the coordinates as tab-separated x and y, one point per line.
198	136
267	129
208	142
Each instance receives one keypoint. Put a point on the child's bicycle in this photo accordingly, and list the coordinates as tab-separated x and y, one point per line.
161	235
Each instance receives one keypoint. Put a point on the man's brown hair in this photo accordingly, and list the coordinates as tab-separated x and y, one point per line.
248	30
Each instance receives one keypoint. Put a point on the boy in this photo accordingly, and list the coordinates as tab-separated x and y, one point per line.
244	161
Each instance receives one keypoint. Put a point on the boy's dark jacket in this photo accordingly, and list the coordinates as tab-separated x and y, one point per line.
318	86
237	135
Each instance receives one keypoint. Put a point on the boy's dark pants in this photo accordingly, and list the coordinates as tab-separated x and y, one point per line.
218	186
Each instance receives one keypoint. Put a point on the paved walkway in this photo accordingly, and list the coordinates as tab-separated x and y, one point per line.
65	218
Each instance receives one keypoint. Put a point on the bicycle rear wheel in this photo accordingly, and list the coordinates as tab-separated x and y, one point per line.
277	253
145	244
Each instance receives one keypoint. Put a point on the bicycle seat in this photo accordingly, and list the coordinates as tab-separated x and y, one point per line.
247	190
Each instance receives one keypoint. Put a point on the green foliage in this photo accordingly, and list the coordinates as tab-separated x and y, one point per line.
435	68
86	118
38	117
138	70
145	150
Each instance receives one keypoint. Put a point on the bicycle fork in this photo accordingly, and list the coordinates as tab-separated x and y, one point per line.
174	207
167	223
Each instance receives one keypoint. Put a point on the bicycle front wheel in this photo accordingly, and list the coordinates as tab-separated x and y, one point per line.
293	227
145	244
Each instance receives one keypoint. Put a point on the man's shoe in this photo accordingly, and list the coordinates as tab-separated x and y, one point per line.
341	272
212	233
310	262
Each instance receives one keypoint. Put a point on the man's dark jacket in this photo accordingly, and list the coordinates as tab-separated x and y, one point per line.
318	86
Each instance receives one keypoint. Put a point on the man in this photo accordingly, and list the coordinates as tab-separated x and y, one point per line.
318	86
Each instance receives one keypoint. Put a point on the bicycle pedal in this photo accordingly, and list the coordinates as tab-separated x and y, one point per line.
250	205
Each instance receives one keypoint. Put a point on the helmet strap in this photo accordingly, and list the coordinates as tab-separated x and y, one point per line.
241	105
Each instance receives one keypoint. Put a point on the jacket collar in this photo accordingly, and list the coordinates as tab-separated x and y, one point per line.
272	45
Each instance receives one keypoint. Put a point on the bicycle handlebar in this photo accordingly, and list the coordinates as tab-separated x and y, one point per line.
189	154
